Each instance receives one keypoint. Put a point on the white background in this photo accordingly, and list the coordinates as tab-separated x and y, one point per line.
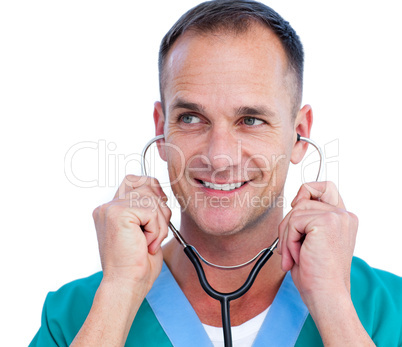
74	72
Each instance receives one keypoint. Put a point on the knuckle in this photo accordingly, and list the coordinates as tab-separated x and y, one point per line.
354	218
154	182
166	209
169	213
341	219
293	216
345	216
149	203
301	204
164	231
281	227
153	213
114	211
332	190
314	188
95	212
297	213
131	177
333	219
99	211
147	212
331	186
134	181
353	223
305	187
110	210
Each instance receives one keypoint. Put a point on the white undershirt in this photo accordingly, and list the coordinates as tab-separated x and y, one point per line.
242	335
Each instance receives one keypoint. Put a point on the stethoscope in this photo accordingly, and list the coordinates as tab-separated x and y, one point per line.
195	256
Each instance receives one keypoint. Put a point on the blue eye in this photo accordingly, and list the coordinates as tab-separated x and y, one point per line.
190	119
252	121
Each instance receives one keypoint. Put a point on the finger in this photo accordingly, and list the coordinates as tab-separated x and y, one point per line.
322	191
301	225
154	223
162	204
150	214
153	187
155	245
129	183
149	223
142	193
296	235
287	259
303	206
282	230
292	232
281	234
156	187
157	198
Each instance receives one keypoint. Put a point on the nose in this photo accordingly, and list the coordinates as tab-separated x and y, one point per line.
223	149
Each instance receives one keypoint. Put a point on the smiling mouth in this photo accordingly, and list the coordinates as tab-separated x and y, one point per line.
225	187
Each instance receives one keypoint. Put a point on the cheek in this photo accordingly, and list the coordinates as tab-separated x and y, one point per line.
179	164
175	157
268	170
269	165
269	160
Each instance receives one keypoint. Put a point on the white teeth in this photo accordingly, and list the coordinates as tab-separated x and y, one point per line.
226	187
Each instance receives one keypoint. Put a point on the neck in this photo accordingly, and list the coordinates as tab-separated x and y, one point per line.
227	250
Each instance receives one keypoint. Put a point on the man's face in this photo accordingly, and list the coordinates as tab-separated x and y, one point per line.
228	120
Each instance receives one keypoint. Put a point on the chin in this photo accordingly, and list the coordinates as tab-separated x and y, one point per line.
218	225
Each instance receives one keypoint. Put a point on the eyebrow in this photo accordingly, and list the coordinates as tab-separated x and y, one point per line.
255	111
187	105
243	110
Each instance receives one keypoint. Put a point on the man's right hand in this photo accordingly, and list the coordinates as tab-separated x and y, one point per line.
130	231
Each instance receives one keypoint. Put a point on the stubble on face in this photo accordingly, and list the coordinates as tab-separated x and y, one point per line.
217	74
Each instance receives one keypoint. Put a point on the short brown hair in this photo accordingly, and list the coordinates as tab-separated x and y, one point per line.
235	16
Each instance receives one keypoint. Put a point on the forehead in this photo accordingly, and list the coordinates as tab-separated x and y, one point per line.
221	60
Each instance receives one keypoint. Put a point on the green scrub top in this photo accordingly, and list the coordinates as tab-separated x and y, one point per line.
376	295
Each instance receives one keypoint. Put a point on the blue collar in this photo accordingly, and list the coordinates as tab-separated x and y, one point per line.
281	326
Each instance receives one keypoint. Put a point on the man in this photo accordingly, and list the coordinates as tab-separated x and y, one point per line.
230	112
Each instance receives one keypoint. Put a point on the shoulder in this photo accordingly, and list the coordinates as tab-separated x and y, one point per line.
377	298
65	310
75	296
374	284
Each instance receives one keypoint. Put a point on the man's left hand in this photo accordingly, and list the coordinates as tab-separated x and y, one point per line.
317	239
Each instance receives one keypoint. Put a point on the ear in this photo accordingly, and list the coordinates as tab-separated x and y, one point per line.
159	120
303	123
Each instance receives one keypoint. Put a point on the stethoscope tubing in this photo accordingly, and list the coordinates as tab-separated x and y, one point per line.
194	256
226	298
